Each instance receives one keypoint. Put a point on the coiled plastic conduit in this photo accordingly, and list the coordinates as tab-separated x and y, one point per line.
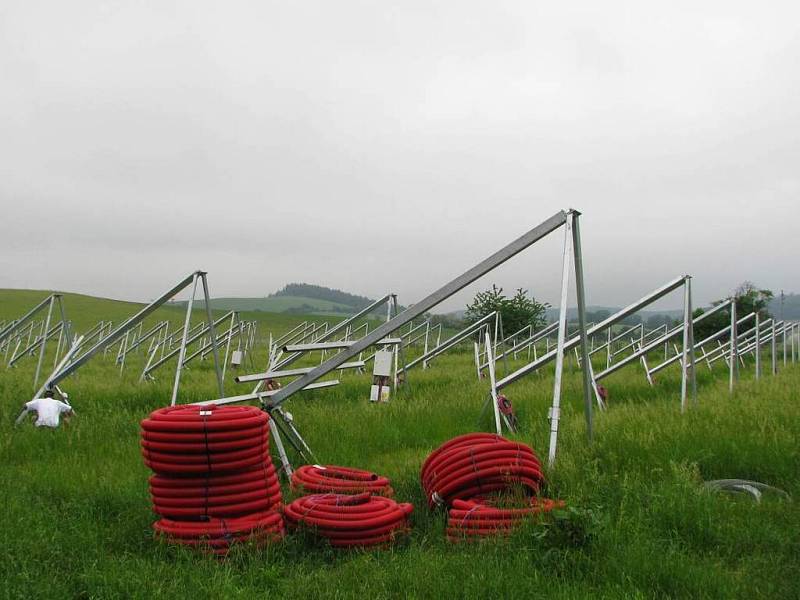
215	481
217	535
468	519
250	491
342	480
182	440
476	464
349	521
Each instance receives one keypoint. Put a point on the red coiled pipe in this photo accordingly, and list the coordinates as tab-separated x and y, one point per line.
256	489
348	521
468	520
190	439
215	482
217	535
479	463
317	479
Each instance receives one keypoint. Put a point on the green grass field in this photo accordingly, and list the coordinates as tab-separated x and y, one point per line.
85	311
639	524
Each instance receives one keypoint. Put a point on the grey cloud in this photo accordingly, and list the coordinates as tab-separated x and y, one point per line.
375	147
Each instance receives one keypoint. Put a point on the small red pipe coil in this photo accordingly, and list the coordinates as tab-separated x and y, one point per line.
217	535
469	520
316	479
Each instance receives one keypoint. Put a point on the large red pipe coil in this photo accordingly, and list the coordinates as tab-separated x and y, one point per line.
476	464
197	440
214	480
253	490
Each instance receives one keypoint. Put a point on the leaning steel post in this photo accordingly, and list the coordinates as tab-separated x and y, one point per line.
44	341
182	351
213	335
588	385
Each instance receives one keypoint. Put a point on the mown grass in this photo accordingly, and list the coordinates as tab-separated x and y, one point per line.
76	519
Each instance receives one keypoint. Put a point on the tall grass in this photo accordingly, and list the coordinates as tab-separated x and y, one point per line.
76	518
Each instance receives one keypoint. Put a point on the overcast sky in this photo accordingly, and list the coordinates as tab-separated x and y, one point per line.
376	146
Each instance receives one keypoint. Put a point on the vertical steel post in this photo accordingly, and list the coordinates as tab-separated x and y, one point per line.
688	351
276	438
425	349
398	348
30	333
503	341
555	410
692	362
580	292
733	370
123	350
67	333
213	335
493	385
758	347
234	315
182	350
774	347
61	333
783	341
44	341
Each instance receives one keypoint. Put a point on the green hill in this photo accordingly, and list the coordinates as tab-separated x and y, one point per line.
301	299
85	311
320	292
283	304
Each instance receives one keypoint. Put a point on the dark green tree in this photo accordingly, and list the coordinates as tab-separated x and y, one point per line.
517	312
749	298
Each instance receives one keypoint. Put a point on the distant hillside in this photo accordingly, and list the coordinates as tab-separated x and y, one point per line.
319	292
282	304
301	299
85	311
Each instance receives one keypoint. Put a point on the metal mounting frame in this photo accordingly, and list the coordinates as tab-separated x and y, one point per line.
67	368
688	373
568	220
